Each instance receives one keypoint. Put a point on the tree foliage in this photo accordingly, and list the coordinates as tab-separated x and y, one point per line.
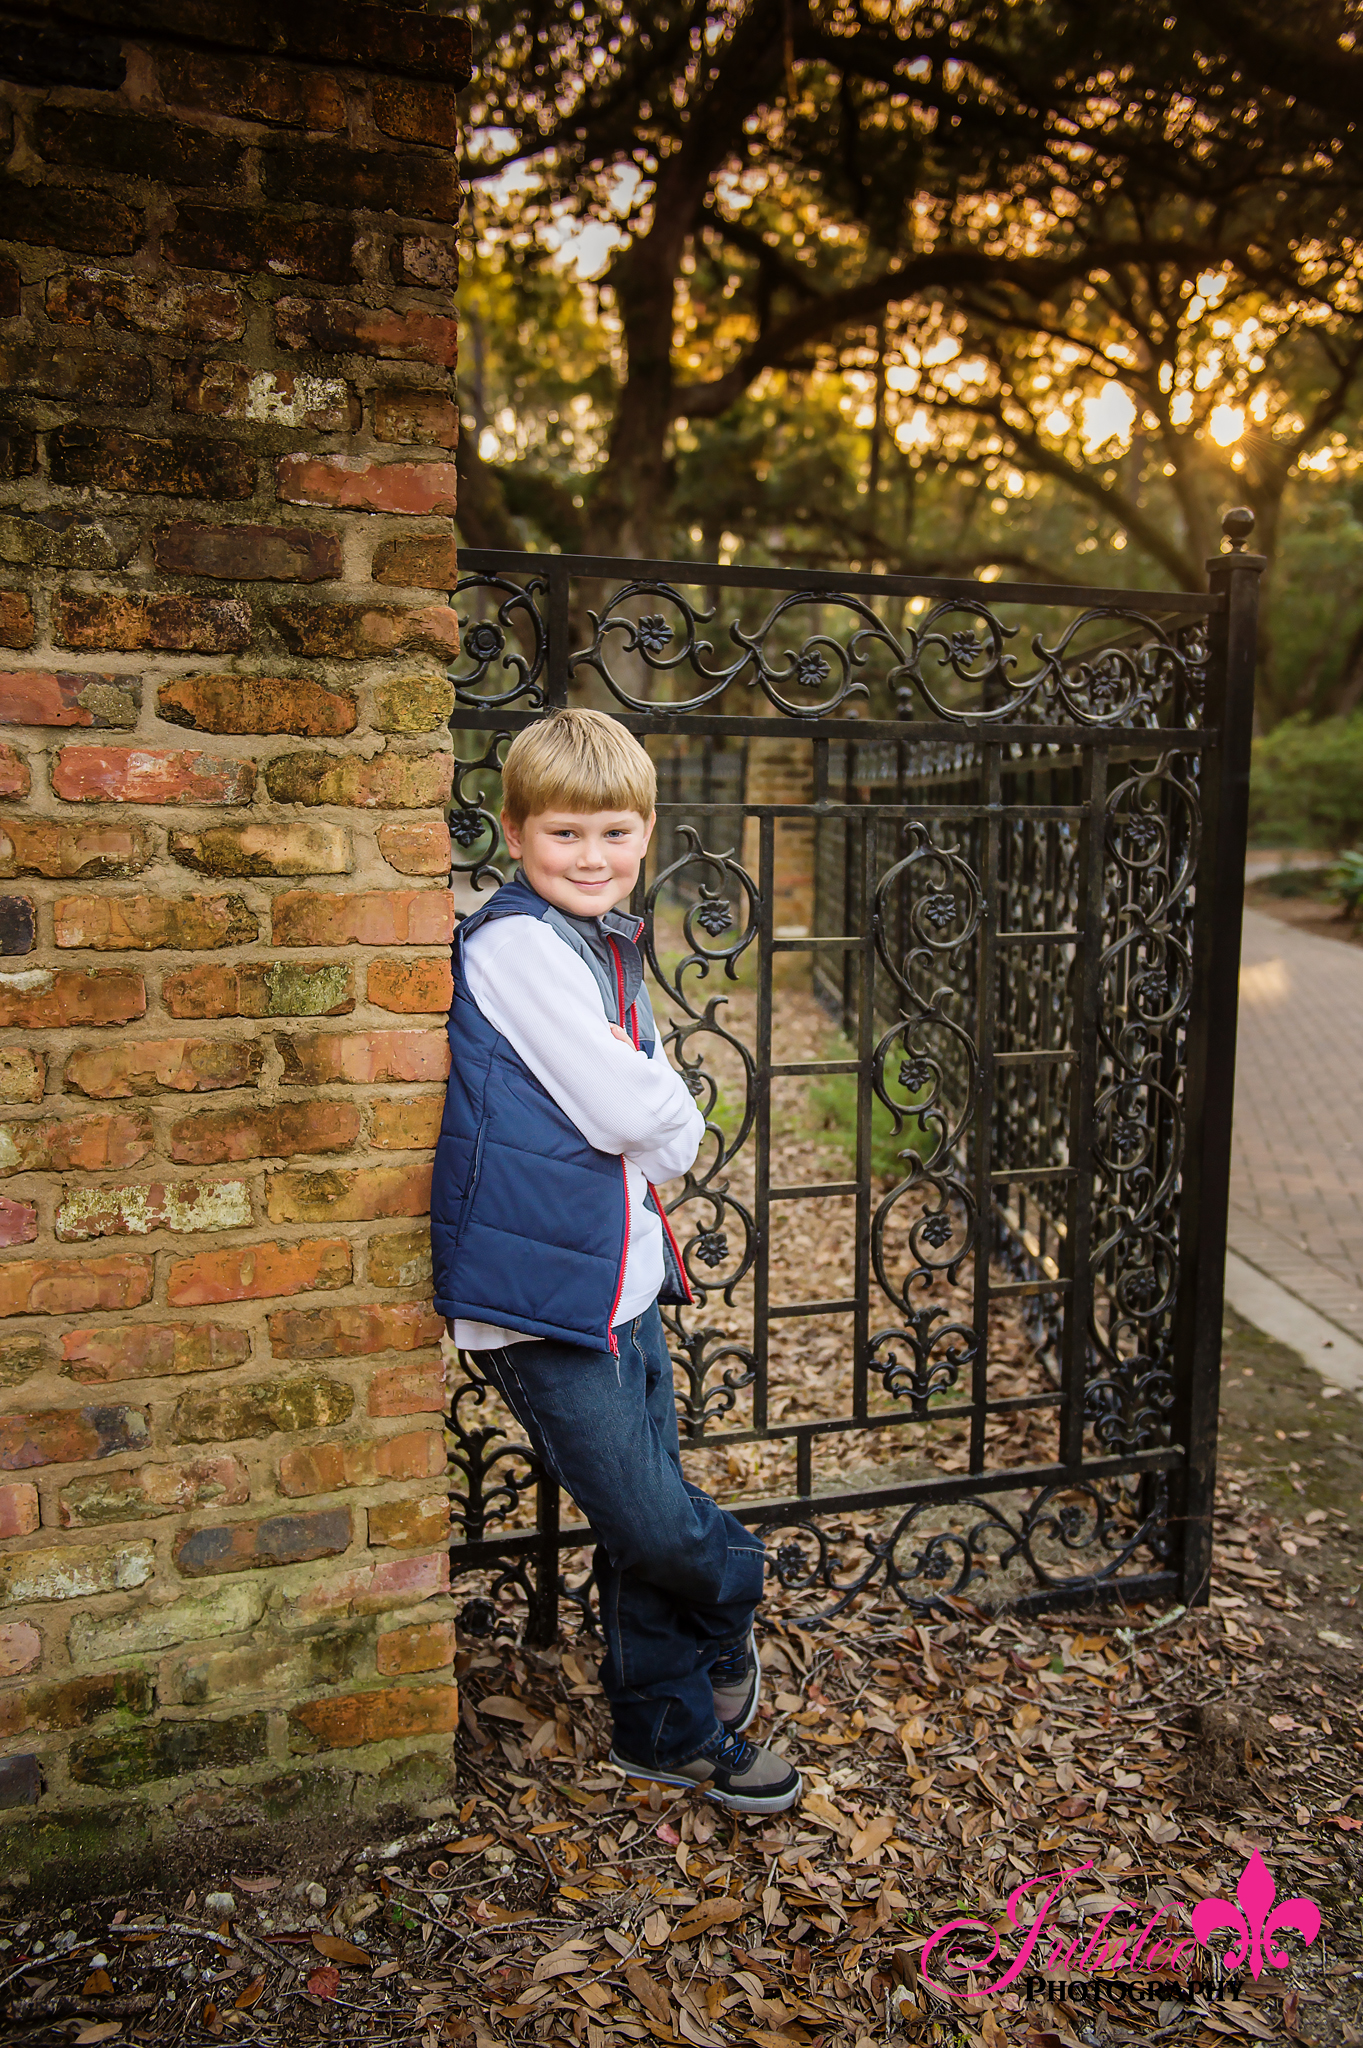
875	271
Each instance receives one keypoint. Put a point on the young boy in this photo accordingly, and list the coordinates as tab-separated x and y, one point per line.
551	1250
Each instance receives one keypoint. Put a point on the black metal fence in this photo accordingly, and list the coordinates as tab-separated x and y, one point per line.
1022	814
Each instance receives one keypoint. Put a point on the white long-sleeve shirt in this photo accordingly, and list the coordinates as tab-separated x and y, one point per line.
546	1003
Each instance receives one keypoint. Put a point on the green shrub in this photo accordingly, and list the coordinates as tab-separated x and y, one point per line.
1346	881
1306	783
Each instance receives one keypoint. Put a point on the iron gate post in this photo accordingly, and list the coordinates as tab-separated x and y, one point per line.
1217	918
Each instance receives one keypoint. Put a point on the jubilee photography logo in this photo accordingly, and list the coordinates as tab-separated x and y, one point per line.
1142	1957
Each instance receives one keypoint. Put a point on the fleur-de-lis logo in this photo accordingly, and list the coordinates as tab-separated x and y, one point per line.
1256	1919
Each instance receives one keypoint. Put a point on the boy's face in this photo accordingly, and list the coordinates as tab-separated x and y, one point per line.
580	861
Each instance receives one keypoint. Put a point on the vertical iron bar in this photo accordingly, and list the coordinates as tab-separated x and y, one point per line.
541	1622
986	1027
1076	1251
557	671
866	1041
761	1279
1204	1208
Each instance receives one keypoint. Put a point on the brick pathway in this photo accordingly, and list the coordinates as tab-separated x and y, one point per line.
1297	1161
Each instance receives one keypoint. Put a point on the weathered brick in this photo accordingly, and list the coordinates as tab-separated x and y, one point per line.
73	1572
94	377
260	1408
413	704
356	1718
425	416
290	1128
168	1749
430	260
145	1066
255	1272
133	146
182	466
18	1509
270	554
23	1075
17	925
18	1222
330	1468
168	622
406	1126
408	1390
17	628
21	1781
87	1143
39	846
283	95
400	782
39	1000
11	290
354	1332
410	985
150	775
358	485
297	849
23	1356
401	1258
256	1546
68	1436
149	1490
362	1056
41	53
183	1206
273	244
278	397
146	923
334	328
149	1350
18	450
409	1524
21	1649
72	1287
71	217
415	111
276	988
398	1582
46	539
355	632
56	697
180	312
371	917
192	1616
425	1646
418	186
348	1195
203	1679
416	849
257	704
15	776
75	1702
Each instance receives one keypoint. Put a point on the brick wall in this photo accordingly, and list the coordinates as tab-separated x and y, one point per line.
226	351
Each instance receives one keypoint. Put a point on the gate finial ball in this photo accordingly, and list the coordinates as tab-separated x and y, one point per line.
1237	525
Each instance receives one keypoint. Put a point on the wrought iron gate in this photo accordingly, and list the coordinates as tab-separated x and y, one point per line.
1012	818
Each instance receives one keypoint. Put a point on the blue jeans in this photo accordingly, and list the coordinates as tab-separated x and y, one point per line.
678	1577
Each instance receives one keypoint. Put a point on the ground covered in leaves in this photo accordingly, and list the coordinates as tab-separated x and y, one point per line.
945	1762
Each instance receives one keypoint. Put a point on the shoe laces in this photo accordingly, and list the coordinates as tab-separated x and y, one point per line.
728	1669
731	1752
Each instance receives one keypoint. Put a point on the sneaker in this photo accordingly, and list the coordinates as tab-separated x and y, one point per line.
730	1771
737	1681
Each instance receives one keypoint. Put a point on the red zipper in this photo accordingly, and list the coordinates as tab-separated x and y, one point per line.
657	1202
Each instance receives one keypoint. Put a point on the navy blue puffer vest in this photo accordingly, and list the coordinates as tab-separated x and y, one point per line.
528	1221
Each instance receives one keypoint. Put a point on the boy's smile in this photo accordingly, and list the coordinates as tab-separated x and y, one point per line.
584	862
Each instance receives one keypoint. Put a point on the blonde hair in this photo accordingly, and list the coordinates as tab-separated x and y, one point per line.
577	761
